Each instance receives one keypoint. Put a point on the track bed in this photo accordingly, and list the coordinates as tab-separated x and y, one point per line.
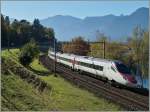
128	98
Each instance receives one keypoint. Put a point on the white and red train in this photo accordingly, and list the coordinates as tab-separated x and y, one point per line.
114	71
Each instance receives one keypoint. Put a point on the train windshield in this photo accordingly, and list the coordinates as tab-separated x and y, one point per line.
122	68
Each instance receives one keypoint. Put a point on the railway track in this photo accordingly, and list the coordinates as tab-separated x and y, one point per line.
128	99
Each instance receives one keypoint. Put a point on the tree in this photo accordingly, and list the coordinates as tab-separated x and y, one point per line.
145	53
28	52
77	46
18	33
139	44
49	33
3	31
136	42
140	51
7	20
37	30
66	48
25	32
96	50
116	50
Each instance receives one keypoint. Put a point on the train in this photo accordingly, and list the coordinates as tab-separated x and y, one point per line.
111	70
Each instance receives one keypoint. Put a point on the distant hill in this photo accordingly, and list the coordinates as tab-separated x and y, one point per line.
116	27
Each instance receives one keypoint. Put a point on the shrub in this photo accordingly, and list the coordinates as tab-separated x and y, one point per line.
28	52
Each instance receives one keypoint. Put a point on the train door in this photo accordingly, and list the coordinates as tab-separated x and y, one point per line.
108	72
103	70
73	63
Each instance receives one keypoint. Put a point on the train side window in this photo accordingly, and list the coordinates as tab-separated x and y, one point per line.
113	69
91	65
100	68
84	64
95	67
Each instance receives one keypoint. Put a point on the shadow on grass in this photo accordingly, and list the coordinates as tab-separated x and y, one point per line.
41	73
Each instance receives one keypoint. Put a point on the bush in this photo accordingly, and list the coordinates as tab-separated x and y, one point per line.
28	52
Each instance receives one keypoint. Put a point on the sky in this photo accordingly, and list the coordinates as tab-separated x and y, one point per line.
30	10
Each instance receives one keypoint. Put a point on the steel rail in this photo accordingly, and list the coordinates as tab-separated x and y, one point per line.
133	103
107	90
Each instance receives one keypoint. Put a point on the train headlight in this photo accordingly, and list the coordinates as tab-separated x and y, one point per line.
125	77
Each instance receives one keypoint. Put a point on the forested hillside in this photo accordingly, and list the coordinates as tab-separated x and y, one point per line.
17	33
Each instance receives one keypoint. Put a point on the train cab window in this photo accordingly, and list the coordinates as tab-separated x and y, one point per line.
113	69
122	68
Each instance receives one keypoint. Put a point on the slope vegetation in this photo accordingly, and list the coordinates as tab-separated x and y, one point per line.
21	94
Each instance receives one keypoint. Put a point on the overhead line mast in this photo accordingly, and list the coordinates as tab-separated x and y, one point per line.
55	63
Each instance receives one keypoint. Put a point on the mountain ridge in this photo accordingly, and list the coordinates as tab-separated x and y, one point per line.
67	27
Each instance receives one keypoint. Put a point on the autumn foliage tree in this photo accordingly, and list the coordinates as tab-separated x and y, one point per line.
66	48
116	50
77	46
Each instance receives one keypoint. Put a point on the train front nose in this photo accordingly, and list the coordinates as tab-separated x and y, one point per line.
131	79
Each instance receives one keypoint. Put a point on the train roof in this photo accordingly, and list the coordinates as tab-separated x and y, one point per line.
96	59
89	57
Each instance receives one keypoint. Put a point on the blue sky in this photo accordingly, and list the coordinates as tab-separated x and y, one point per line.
43	9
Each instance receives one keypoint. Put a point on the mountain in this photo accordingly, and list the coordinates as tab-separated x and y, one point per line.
116	27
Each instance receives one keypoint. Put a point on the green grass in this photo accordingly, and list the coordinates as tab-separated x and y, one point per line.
36	65
66	96
19	95
63	96
12	52
69	97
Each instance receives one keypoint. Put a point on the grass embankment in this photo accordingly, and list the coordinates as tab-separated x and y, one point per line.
63	96
66	96
17	94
